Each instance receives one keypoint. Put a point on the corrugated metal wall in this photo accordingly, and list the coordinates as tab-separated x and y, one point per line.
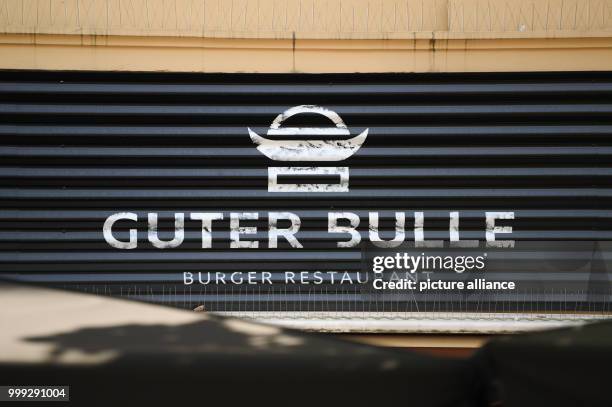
77	147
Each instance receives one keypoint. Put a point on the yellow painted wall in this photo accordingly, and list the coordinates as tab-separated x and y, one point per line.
306	35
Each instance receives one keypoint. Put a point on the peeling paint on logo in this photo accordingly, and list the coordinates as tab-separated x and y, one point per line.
308	150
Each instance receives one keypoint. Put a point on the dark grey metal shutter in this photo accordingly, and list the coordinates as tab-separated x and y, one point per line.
77	147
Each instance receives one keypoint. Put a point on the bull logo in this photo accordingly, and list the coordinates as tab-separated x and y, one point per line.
308	150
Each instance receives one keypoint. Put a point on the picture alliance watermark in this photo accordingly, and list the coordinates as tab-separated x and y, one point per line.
399	272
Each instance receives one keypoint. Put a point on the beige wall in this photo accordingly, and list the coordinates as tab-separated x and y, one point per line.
306	35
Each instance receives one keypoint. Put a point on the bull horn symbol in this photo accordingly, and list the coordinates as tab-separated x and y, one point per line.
308	150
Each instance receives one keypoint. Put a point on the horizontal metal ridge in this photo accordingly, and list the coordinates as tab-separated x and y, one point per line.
170	256
248	173
238	152
109	132
100	213
276	89
206	194
221	237
273	110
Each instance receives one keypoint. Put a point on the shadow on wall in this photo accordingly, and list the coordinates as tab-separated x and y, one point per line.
231	337
242	361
